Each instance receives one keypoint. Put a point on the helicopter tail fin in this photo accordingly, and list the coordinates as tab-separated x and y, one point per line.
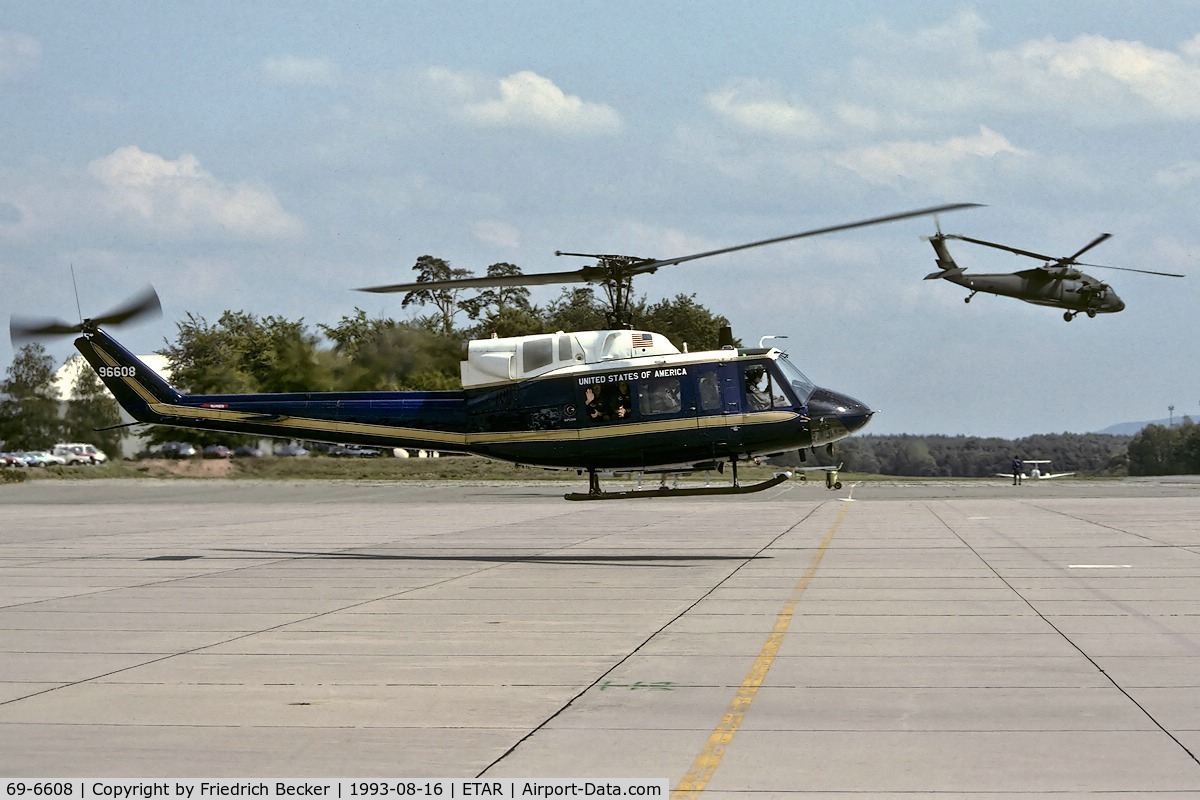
137	387
946	266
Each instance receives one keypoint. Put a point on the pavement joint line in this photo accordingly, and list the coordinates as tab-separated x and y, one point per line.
244	634
1100	595
1087	521
706	763
636	650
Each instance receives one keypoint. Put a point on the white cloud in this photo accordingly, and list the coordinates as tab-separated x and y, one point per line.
294	71
1092	80
1101	81
1179	176
894	115
498	233
930	161
19	53
757	108
1191	48
179	198
458	85
530	101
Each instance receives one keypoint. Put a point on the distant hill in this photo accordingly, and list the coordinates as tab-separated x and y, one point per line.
1132	428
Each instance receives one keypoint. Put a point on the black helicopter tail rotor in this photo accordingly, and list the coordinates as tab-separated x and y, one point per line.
144	304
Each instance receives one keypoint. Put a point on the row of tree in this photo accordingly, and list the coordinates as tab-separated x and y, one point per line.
1161	450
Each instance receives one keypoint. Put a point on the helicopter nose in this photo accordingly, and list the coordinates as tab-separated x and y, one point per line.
1115	303
850	413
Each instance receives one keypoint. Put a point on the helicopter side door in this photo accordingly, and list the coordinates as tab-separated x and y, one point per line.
717	400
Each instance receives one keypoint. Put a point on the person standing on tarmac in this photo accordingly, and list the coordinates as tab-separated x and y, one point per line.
1018	468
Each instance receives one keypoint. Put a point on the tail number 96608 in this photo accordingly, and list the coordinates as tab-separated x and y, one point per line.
116	372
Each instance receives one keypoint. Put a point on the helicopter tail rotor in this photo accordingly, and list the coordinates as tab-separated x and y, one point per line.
144	304
947	268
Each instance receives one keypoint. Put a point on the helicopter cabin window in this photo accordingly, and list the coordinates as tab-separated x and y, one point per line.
537	353
802	387
709	386
659	396
565	351
762	392
607	402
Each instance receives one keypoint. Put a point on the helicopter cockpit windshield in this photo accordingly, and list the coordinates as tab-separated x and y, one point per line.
802	387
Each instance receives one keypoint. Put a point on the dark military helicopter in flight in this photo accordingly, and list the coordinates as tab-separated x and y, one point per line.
618	399
1058	282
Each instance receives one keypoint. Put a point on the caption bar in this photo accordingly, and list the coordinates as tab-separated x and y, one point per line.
448	789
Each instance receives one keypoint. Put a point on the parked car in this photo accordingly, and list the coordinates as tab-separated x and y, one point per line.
248	451
217	451
12	460
352	451
290	450
72	454
40	458
176	450
95	454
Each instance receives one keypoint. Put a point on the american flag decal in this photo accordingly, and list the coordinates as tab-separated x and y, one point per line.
642	339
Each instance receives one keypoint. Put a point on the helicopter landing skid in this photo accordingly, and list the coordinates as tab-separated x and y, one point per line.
665	491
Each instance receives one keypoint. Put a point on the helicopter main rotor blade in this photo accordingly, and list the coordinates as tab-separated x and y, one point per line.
575	276
1131	269
651	266
1016	250
1087	247
617	268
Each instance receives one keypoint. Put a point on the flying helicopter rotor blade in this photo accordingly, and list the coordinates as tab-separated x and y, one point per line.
651	266
538	279
1010	249
1102	237
1131	269
615	268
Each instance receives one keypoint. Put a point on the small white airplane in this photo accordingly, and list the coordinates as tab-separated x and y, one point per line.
1035	474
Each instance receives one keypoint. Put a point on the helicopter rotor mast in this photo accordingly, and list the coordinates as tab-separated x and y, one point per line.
616	272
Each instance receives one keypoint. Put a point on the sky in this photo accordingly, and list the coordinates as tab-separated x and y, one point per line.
270	158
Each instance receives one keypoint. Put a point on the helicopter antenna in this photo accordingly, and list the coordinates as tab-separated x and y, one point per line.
75	286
